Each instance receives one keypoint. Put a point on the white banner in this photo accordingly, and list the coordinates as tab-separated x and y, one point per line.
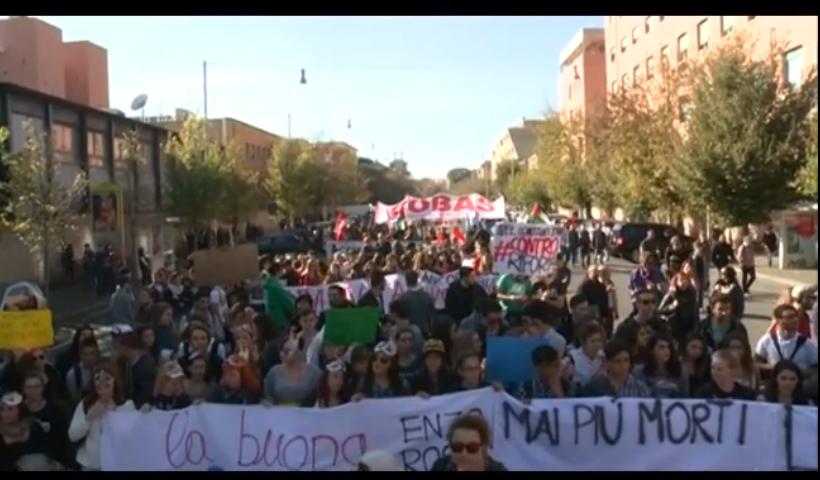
526	249
332	246
441	207
395	286
572	434
282	438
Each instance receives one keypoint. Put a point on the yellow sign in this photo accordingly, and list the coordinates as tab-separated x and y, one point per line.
26	329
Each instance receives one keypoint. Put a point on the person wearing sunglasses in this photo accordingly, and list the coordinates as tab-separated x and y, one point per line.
382	379
86	424
646	313
469	444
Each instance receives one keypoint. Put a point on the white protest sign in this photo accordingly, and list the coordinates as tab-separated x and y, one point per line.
281	438
395	286
641	434
526	249
570	434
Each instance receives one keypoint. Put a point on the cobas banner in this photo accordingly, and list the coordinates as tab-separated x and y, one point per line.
573	434
395	285
441	207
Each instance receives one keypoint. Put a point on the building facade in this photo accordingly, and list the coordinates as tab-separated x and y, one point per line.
516	145
33	55
88	140
583	74
258	144
638	46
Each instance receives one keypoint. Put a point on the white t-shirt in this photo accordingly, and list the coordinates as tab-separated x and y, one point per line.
88	455
805	357
584	368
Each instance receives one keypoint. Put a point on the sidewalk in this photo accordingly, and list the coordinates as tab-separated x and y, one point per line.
785	277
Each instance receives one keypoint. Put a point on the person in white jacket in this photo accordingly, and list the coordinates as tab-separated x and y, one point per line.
87	421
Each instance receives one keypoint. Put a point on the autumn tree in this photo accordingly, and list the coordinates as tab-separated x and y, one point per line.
807	178
196	175
292	177
37	208
561	164
242	194
458	174
747	136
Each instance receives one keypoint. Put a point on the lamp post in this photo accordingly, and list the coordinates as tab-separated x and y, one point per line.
302	81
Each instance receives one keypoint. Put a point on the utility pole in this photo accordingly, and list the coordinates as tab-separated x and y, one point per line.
205	87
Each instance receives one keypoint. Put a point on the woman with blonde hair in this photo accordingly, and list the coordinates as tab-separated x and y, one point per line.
169	389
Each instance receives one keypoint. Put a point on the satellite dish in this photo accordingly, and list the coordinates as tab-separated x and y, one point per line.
117	112
139	102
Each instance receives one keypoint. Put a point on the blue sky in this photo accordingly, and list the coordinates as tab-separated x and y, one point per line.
440	90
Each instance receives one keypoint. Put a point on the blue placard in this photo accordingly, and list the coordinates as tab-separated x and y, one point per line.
509	359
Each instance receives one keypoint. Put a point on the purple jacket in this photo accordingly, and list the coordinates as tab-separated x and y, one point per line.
641	278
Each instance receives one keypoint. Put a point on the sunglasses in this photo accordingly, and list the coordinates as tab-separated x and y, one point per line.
646	302
472	448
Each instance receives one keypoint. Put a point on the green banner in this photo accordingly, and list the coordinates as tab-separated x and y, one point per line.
346	326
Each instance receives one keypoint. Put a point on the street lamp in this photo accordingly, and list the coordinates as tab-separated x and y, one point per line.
303	81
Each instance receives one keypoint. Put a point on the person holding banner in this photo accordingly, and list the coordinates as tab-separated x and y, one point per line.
169	391
786	385
331	391
587	361
662	370
548	381
696	362
616	381
724	384
469	438
86	424
293	382
198	385
382	379
239	384
434	378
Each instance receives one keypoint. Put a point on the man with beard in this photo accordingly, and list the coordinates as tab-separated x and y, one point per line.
720	322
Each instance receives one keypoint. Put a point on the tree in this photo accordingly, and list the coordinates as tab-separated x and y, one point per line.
458	174
38	209
561	164
242	194
807	179
292	178
470	185
746	138
196	175
503	171
383	184
132	154
526	189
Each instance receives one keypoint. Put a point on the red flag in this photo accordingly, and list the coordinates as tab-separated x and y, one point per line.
536	210
459	237
341	226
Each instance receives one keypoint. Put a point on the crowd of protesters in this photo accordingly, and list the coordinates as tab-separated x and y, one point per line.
176	344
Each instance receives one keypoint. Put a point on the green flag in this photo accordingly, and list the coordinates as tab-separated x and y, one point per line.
346	326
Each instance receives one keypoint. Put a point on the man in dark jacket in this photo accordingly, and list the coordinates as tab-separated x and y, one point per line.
720	323
595	292
722	254
462	295
574	242
421	307
599	243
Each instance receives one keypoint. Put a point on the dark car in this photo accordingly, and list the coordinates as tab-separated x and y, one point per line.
626	238
282	243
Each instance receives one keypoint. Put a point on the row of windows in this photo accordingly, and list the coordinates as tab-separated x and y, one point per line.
727	24
255	152
792	64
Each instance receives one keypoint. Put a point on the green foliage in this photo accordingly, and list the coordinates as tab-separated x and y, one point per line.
38	209
807	178
560	164
503	172
526	189
746	139
470	185
458	174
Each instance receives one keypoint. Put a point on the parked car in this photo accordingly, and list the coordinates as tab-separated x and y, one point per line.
282	243
626	238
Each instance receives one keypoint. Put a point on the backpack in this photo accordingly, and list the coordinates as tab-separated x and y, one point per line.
800	341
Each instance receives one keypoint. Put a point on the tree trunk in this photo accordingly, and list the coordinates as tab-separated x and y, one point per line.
46	270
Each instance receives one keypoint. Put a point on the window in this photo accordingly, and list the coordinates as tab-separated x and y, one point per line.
96	149
623	44
612	54
703	35
61	138
727	23
793	66
646	24
636	73
119	150
665	56
650	67
624	79
634	35
683	47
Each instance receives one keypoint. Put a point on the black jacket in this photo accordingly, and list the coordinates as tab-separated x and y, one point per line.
722	255
595	293
445	464
460	302
710	391
705	329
